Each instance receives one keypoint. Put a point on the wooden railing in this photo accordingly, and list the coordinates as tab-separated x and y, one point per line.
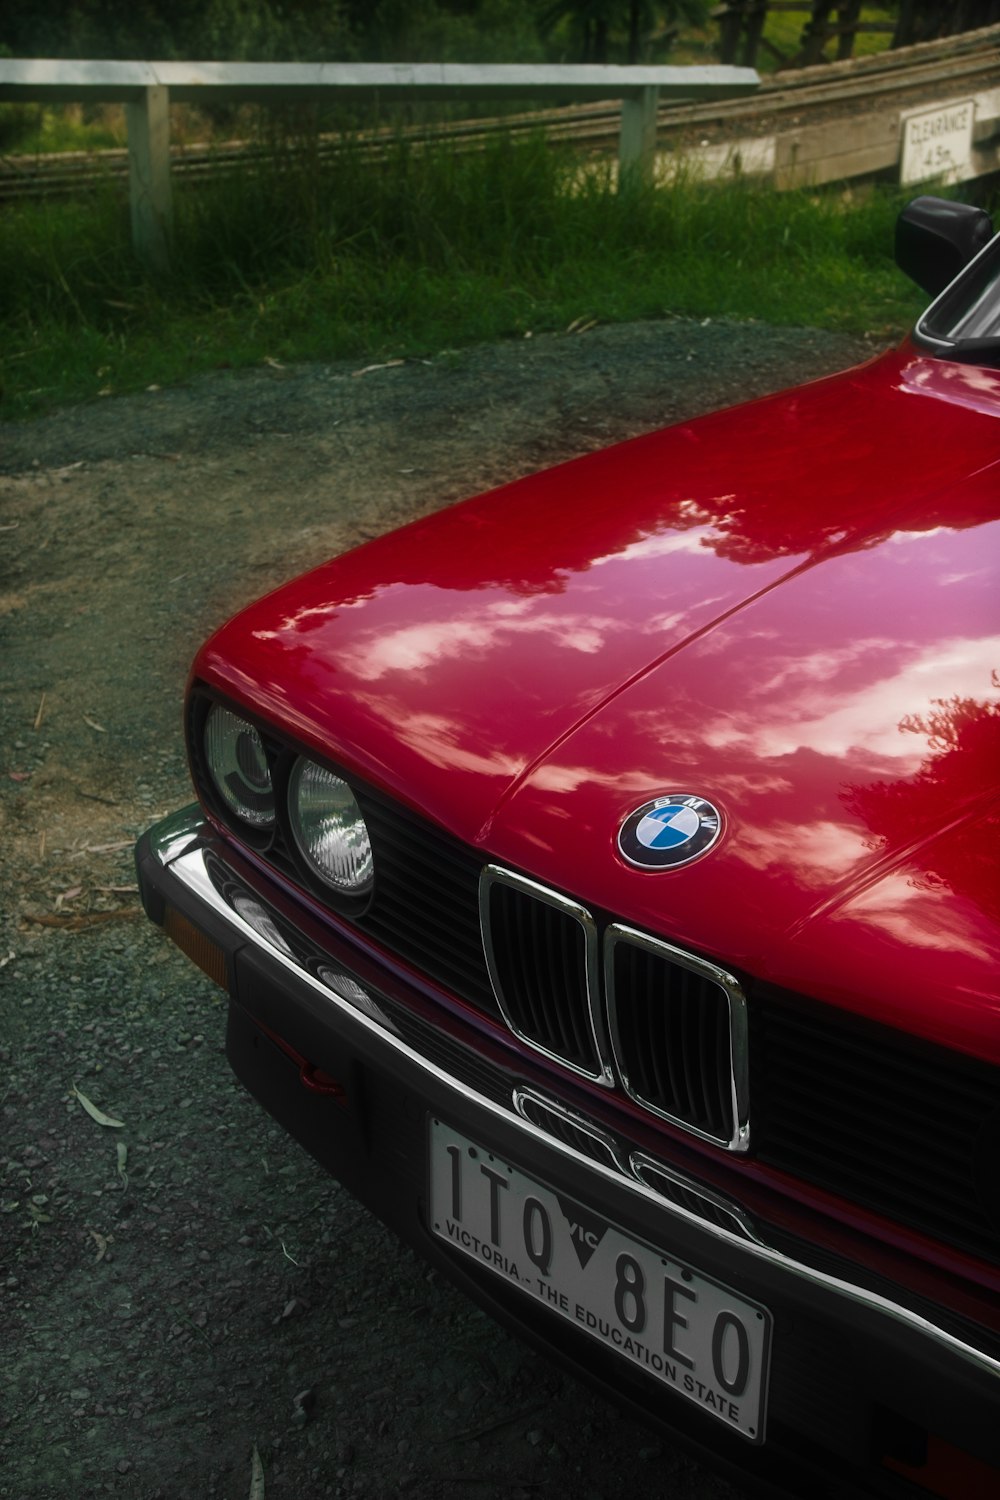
741	27
147	89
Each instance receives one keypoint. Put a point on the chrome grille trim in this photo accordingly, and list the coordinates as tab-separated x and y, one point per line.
568	1126
737	1082
584	1008
691	1198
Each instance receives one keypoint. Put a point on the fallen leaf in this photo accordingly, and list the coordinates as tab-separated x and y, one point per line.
98	1114
81	922
102	1244
390	364
41	713
103	848
92	724
19	775
302	1405
256	1476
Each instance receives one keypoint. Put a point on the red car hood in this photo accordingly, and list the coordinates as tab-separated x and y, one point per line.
789	608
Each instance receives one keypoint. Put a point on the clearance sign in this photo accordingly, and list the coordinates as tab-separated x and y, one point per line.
937	143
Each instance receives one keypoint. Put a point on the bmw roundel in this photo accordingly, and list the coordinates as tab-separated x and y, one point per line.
669	831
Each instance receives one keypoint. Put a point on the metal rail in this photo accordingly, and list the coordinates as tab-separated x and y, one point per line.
778	138
147	88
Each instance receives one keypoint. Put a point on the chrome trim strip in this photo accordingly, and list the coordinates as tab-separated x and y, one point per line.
739	1068
494	875
189	869
523	1097
637	1164
946	348
173	835
640	1163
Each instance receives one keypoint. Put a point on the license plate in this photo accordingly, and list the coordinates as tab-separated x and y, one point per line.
682	1328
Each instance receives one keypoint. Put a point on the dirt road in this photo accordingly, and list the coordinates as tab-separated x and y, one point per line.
185	1288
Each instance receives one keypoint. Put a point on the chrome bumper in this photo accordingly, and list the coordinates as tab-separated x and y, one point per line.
184	848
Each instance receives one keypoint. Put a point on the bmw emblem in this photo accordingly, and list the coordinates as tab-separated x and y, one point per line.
669	831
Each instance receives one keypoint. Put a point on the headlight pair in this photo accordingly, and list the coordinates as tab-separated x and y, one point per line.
326	822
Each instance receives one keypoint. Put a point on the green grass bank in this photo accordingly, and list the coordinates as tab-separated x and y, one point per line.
307	259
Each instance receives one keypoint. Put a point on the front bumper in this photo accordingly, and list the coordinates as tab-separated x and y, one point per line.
871	1391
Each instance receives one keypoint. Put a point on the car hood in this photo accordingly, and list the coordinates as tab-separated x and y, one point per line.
788	608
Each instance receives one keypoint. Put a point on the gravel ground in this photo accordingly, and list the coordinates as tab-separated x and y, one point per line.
187	1290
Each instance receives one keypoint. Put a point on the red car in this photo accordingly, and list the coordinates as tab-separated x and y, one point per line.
605	874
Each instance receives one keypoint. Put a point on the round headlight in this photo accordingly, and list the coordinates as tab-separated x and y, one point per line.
329	829
238	766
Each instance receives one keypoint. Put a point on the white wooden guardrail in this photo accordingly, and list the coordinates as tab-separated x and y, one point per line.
147	88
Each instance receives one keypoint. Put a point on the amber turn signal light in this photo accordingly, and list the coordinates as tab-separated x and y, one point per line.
190	939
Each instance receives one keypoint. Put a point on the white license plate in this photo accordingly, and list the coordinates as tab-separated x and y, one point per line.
681	1328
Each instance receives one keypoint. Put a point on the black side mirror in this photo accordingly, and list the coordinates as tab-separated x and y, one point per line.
935	239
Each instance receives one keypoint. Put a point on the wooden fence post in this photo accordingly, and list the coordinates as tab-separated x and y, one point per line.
637	140
848	16
756	15
148	123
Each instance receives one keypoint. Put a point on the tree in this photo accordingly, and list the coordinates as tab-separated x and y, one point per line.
962	739
598	27
923	20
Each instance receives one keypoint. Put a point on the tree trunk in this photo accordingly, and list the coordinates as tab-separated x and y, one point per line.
601	40
814	35
633	30
848	14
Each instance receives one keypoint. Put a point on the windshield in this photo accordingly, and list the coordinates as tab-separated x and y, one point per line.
964	322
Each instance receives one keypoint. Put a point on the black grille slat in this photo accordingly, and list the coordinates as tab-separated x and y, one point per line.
904	1175
881	1119
531	1010
425	906
554	1023
674	1057
854	1128
659	1068
577	1017
689	1048
540	963
671	1023
589	1143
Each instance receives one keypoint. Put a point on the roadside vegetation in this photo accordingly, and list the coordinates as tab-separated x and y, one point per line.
311	257
415	254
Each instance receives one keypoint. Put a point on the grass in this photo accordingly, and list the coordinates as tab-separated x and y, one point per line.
782	39
420	253
30	129
783	29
